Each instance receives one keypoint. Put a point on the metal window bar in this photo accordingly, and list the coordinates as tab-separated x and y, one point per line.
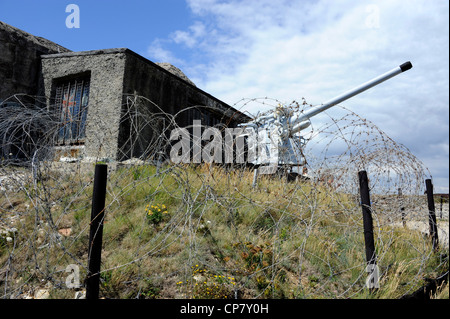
71	100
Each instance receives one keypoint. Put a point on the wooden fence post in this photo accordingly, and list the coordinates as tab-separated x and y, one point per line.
402	209
432	214
372	269
96	231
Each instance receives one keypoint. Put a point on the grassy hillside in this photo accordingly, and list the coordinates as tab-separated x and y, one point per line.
203	232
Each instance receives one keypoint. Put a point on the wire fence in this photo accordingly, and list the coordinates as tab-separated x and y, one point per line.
205	230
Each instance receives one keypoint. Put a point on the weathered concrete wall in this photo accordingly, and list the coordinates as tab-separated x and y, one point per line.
112	130
106	68
34	65
20	61
170	93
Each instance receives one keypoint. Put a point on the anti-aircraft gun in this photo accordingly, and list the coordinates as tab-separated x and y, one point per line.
274	140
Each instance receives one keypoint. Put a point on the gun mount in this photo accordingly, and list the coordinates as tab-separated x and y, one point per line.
274	140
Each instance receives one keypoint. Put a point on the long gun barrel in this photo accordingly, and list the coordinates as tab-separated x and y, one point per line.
340	98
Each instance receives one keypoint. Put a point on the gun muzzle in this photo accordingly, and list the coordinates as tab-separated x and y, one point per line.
357	90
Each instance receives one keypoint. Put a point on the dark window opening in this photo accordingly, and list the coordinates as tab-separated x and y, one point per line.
71	103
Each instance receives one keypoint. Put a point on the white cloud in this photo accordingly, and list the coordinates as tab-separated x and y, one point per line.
191	37
157	52
318	49
183	37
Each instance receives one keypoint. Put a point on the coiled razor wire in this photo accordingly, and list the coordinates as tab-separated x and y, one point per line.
224	233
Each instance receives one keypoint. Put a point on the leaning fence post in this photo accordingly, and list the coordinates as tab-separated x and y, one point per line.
372	269
432	214
96	231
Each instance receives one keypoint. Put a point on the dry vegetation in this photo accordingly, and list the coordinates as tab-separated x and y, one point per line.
218	238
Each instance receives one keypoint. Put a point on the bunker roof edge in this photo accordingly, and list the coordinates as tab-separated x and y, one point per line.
128	51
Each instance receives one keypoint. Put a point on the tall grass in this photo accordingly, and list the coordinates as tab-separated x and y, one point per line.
278	240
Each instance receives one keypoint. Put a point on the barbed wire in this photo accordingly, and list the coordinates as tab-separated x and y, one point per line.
221	233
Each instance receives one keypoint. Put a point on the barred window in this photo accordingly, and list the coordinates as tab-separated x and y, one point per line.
71	102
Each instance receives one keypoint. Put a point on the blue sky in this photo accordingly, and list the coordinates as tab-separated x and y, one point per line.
103	24
285	49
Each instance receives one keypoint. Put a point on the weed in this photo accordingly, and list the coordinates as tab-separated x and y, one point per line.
205	284
281	240
156	213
